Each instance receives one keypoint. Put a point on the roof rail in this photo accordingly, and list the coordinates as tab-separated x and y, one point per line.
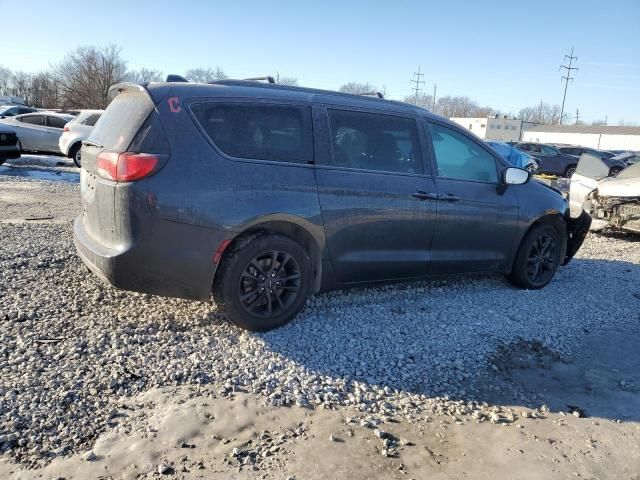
268	78
371	94
176	78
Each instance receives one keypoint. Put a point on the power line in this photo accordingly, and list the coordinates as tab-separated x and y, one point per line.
566	78
418	82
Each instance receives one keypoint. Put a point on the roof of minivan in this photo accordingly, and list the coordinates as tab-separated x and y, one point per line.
249	88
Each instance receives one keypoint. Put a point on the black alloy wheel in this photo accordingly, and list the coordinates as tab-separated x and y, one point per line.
538	257
263	281
269	284
542	259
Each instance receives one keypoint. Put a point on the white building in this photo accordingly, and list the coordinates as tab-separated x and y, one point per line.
8	100
503	129
603	137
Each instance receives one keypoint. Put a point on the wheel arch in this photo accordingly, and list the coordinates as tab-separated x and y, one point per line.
77	143
303	232
554	219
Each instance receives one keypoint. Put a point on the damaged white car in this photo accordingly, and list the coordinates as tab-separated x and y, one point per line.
613	202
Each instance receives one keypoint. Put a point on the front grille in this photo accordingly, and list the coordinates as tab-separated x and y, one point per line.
7	139
630	210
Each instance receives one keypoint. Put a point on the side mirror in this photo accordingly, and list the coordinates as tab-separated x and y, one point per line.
515	176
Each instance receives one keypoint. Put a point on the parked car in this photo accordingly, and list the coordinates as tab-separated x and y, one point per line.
13	110
615	166
263	194
75	132
614	202
515	157
38	132
8	144
550	159
630	158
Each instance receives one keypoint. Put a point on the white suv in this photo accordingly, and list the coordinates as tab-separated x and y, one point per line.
76	131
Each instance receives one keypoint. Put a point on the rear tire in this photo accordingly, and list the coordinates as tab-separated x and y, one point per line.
568	173
537	259
263	282
74	154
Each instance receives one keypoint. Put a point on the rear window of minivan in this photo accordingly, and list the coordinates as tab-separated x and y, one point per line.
258	131
121	120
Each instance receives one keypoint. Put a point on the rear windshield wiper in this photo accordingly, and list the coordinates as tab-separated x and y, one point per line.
92	144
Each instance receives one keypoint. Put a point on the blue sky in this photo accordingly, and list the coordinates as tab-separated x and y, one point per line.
504	54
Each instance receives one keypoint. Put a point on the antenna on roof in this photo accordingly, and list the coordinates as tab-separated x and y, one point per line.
372	94
176	78
268	78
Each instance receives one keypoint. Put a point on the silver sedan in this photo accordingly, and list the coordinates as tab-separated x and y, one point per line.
38	132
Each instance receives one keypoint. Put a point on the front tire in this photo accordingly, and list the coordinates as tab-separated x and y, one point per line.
537	259
263	282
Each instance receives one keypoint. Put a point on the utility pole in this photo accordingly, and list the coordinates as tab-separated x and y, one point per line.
434	98
606	118
418	82
566	78
577	116
540	113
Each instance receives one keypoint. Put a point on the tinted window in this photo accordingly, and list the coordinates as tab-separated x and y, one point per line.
265	132
457	156
56	122
374	142
91	119
547	150
32	119
525	146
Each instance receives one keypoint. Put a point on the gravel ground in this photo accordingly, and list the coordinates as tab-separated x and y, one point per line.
73	349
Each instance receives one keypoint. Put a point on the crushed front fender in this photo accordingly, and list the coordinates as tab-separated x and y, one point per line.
577	229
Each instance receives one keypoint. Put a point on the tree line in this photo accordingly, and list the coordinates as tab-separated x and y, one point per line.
83	77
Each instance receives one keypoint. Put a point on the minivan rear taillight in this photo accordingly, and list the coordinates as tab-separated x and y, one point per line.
125	167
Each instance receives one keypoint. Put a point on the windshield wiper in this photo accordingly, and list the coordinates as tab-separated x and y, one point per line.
92	144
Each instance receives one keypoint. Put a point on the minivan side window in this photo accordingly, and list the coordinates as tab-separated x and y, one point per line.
374	141
459	157
258	131
548	150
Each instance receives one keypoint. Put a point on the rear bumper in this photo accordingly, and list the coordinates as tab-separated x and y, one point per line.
577	229
175	260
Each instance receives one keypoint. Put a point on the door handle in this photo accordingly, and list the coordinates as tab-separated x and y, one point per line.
420	195
447	197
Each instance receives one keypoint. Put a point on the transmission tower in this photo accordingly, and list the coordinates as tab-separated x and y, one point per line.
566	78
417	75
577	117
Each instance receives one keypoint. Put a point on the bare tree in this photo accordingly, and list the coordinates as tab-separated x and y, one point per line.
542	113
5	80
144	75
44	91
86	74
291	81
423	100
599	122
357	88
205	75
449	106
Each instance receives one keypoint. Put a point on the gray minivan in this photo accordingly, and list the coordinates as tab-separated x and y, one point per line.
262	194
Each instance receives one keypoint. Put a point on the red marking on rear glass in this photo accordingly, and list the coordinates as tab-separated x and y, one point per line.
174	104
